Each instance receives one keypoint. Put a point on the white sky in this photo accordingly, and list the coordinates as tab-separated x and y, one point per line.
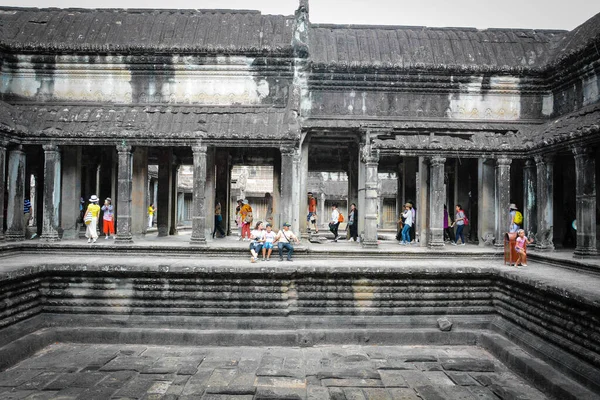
537	14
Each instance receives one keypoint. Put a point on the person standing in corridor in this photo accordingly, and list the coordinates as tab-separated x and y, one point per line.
334	222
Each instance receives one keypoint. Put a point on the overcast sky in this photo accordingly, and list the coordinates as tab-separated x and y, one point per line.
537	14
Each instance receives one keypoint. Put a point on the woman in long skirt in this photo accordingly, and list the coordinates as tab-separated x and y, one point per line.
93	210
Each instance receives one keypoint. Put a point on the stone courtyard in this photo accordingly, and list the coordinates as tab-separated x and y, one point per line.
84	371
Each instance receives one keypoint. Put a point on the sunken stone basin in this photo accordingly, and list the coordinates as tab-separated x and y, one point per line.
194	326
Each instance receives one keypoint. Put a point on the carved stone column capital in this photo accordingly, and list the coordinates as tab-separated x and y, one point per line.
544	159
529	163
581	151
437	160
50	148
288	151
199	148
123	148
503	161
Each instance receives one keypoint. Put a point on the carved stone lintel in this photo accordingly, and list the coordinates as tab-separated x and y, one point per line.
288	151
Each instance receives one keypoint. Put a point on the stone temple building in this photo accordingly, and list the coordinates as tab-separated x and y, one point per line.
481	118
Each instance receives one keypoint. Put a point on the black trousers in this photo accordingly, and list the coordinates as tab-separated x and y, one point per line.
334	229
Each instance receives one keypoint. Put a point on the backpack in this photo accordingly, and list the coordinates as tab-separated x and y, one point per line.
466	220
518	218
340	218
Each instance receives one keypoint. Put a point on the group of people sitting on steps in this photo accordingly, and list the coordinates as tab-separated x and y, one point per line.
263	239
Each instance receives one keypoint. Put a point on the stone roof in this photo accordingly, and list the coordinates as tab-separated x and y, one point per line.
144	30
403	47
154	122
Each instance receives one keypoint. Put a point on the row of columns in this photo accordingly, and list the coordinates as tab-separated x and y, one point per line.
538	193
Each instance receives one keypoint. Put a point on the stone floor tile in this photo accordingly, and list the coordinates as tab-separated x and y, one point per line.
70	393
136	387
392	378
354	394
468	364
404	394
88	379
231	390
482	393
100	393
62	381
415	378
377	394
279	393
16	377
45	395
439	378
131	363
40	381
16	394
221	377
281	382
462	378
337	393
393	363
117	379
428	366
219	397
352	382
314	392
428	392
348	373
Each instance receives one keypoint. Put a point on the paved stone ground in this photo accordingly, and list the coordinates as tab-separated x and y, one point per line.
88	371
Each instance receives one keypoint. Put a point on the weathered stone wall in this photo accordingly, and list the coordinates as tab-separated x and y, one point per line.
174	79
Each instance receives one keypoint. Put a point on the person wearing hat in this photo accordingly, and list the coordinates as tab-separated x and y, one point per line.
108	219
93	210
246	219
514	226
284	241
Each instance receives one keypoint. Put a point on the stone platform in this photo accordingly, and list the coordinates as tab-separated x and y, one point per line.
83	371
540	321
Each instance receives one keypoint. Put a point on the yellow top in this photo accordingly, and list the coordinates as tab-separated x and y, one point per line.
150	210
94	209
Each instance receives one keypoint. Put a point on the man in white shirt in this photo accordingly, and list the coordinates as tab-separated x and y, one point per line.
334	222
284	241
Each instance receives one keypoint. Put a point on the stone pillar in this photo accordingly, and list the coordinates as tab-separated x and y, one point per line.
199	193
124	187
209	192
3	145
71	190
529	194
352	176
502	198
437	198
585	191
422	203
139	186
545	203
173	199
277	194
302	197
370	159
16	194
165	182
223	180
287	184
52	192
486	227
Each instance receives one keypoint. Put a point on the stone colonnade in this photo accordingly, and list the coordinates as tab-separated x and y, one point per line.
494	188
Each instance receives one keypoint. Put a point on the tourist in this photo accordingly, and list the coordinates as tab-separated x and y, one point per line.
334	222
92	212
353	223
81	209
459	221
311	218
238	216
514	226
258	238
408	221
284	241
412	232
108	219
26	215
448	232
151	212
218	220
268	244
520	247
246	219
